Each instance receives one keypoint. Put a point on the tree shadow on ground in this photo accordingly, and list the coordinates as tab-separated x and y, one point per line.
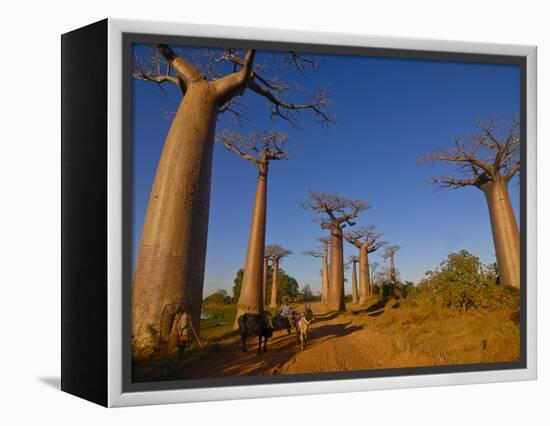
231	361
377	308
326	316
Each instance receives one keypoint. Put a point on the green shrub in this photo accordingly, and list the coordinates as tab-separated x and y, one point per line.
462	282
219	297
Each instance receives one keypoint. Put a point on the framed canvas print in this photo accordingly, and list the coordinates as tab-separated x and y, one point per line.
252	212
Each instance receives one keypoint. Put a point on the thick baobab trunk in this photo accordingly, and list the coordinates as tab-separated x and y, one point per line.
393	275
336	288
354	291
264	281
324	292
250	299
365	290
505	232
274	284
170	265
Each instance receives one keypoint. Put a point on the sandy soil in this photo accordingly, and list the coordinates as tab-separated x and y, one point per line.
334	344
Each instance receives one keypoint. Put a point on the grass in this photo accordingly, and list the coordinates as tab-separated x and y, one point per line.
219	323
216	333
414	332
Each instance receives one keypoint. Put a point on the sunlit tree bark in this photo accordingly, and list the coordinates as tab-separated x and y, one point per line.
265	278
276	253
354	290
322	253
488	161
367	241
339	212
325	242
169	273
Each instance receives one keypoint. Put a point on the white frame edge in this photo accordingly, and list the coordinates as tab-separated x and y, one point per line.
116	397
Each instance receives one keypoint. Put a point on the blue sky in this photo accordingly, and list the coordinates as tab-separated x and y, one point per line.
389	113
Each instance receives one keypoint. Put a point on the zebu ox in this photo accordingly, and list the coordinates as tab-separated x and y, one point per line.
261	325
302	325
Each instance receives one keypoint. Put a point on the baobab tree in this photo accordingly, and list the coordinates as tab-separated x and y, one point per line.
260	148
488	161
322	252
389	253
367	241
267	258
373	267
317	254
169	274
277	253
354	290
339	212
325	243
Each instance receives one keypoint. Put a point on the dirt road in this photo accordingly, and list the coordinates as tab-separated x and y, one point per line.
392	334
335	343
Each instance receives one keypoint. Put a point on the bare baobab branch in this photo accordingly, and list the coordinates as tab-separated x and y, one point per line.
256	147
277	252
390	251
301	62
338	209
313	253
490	156
211	64
365	236
155	69
284	110
183	69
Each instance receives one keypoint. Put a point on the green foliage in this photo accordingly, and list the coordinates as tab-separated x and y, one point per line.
307	294
287	285
404	289
219	297
237	282
462	282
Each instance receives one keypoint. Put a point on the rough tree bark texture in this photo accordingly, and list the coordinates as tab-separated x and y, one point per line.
264	281
336	288
354	291
325	286
168	274
505	231
365	290
274	283
250	299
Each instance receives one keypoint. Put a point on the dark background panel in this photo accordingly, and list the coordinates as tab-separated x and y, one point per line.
84	212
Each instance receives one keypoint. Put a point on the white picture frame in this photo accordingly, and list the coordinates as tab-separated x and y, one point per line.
116	394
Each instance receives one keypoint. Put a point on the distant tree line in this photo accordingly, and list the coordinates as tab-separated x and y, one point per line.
287	286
